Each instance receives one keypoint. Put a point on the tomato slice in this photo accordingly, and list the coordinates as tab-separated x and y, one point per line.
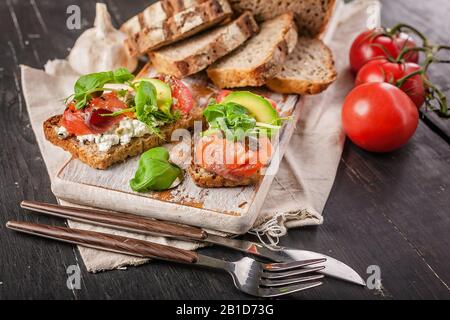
183	99
222	95
90	120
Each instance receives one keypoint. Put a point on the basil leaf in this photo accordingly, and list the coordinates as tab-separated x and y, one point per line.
145	100
94	82
155	172
91	81
146	105
122	75
147	110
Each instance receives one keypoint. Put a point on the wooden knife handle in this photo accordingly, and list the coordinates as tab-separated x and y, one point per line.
117	220
106	242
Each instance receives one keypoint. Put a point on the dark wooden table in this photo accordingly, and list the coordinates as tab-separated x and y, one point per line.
387	210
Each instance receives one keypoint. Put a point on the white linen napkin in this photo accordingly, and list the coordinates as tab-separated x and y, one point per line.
307	173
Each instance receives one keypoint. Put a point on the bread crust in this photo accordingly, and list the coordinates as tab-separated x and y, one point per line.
89	154
267	9
205	179
326	20
296	86
180	26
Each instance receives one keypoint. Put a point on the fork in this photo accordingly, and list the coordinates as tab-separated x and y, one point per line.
250	276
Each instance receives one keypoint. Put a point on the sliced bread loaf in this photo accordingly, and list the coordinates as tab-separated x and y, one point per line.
308	70
312	16
157	28
260	58
197	53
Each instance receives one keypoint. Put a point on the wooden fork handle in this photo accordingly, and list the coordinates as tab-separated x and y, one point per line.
117	220
106	242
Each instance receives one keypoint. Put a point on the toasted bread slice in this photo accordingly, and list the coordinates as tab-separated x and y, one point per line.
197	53
89	153
308	70
312	16
159	29
260	58
205	179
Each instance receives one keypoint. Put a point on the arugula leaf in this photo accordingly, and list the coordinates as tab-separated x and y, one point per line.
235	121
155	172
232	118
94	82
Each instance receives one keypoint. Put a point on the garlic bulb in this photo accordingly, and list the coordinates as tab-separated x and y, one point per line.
101	48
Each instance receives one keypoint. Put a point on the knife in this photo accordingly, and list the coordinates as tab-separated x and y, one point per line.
138	224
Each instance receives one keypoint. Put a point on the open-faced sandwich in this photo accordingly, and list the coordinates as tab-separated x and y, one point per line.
236	147
112	116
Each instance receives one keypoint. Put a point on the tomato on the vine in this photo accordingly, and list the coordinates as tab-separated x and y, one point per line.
404	40
391	72
379	117
376	44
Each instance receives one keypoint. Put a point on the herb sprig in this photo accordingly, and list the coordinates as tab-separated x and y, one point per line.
146	108
90	84
235	121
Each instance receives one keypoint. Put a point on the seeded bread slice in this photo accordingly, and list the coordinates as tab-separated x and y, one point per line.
197	53
156	32
89	153
312	16
308	70
205	179
260	58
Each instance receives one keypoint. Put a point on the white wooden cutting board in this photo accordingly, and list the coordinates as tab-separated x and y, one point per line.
231	210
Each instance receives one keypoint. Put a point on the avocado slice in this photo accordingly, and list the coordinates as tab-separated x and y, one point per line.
258	106
164	98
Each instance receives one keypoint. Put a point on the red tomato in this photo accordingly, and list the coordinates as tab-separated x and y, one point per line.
368	46
222	95
273	103
379	117
385	71
403	41
184	100
89	120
